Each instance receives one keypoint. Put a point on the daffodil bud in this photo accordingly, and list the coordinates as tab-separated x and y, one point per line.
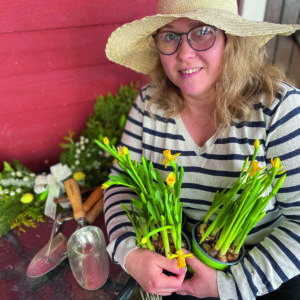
104	186
105	141
144	240
171	179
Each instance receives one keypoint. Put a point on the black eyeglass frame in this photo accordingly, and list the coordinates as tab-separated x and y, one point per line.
180	40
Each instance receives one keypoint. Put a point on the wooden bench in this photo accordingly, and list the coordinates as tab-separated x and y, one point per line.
285	51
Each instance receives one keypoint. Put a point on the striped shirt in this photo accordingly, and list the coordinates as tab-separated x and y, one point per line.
274	243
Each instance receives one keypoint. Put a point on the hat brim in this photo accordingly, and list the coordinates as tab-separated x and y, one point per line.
131	45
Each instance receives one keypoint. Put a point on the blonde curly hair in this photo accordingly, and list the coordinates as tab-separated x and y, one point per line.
247	75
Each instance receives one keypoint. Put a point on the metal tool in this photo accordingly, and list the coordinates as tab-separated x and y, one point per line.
52	254
55	251
86	247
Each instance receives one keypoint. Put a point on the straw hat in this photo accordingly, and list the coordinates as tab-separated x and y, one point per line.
132	45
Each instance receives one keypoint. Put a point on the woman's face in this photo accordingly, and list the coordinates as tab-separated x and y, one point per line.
195	73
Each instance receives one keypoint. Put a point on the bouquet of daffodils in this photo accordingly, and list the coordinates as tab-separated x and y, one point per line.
156	215
241	207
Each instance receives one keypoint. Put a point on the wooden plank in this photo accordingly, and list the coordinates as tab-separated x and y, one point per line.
294	68
273	15
283	52
285	45
273	11
33	92
42	108
291	12
33	137
25	15
40	51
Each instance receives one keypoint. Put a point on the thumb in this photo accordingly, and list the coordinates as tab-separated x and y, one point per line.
193	262
171	266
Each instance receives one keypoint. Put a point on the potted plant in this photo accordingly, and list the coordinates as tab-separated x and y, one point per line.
156	215
220	243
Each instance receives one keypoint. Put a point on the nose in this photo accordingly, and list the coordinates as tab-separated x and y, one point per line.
185	51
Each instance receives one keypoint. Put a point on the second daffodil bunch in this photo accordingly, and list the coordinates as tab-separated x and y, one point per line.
241	207
156	215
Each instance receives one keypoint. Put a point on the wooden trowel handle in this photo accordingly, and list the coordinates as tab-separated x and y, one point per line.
94	197
73	192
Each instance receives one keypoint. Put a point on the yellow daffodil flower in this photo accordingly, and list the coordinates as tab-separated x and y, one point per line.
105	141
254	168
171	179
256	144
27	198
144	240
123	151
169	157
78	176
180	258
276	163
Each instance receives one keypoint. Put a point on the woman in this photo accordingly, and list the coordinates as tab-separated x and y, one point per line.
212	94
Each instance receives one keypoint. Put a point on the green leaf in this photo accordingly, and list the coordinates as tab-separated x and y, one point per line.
138	203
7	168
152	211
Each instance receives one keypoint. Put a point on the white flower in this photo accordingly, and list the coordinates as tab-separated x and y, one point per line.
6	191
18	190
82	148
19	174
77	162
32	175
26	178
96	164
87	140
12	193
13	173
78	151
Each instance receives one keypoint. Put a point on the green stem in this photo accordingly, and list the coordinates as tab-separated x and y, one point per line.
165	238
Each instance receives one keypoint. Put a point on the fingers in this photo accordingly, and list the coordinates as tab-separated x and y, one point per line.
165	284
148	269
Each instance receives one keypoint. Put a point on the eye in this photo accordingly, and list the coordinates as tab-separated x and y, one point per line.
202	33
169	36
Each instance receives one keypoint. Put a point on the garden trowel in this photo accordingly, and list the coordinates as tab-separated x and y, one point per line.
55	251
52	254
86	247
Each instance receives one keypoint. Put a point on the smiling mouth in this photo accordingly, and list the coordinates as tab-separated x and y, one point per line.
190	71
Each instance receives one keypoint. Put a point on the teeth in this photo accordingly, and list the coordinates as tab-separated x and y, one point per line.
190	71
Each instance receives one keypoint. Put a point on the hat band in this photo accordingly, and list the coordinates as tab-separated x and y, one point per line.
182	6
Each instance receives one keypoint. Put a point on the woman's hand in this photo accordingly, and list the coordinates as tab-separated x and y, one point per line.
146	267
203	283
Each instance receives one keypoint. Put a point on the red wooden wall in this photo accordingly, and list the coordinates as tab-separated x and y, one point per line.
52	64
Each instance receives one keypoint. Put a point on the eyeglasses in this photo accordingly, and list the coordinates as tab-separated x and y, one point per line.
200	38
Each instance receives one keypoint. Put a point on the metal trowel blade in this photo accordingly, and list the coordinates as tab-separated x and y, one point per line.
47	259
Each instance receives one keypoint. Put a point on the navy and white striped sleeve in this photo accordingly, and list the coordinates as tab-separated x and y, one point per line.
119	229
